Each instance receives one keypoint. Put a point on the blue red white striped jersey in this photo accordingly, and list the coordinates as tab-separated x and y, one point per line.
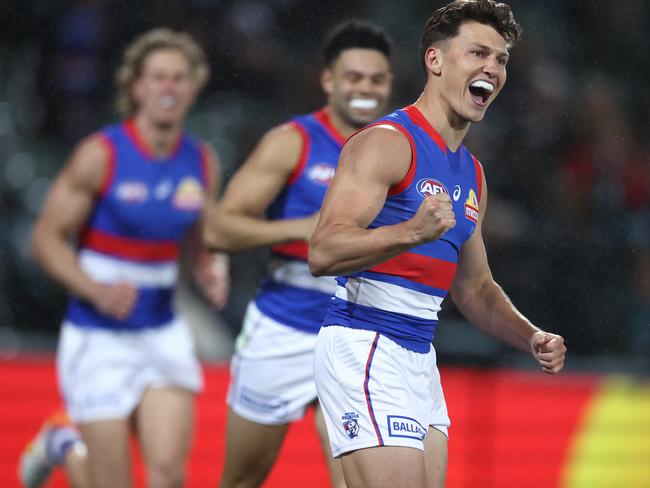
402	296
290	294
143	210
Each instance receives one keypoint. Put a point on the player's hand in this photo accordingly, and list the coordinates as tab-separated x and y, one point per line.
213	277
549	351
116	301
434	217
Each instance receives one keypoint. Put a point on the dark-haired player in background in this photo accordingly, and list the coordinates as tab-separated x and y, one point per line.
401	226
273	200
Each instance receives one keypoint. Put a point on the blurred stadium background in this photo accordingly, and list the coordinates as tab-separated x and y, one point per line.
567	157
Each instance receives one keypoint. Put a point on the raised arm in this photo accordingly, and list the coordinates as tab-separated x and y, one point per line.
237	222
370	164
483	302
67	207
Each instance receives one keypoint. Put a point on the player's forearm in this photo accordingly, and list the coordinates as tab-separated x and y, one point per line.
489	309
228	232
339	250
57	258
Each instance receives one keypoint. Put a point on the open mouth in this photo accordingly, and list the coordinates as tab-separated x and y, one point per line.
167	102
481	91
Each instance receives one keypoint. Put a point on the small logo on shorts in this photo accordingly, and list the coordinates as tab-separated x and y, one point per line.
264	404
399	426
350	424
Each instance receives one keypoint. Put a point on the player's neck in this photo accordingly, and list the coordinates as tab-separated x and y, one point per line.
161	139
343	128
443	120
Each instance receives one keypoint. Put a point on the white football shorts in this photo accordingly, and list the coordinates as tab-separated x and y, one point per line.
103	373
375	392
272	371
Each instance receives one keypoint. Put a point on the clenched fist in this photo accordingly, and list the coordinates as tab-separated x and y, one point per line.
434	217
549	351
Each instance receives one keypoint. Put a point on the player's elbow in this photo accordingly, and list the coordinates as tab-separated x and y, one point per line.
319	265
214	236
214	240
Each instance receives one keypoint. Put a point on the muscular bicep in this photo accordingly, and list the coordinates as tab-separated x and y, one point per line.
264	174
370	164
73	193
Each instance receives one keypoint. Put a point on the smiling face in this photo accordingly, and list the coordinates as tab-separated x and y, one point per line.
166	87
358	85
470	70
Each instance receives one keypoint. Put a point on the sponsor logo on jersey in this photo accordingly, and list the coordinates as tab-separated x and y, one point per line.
428	187
350	424
457	192
321	173
399	426
189	194
132	192
471	207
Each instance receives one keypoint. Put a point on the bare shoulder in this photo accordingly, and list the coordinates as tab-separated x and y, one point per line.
88	164
285	139
287	133
382	149
381	140
279	149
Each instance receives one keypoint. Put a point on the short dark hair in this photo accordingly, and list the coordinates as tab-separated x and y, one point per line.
353	34
445	22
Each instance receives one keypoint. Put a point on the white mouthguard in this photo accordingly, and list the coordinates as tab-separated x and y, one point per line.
363	103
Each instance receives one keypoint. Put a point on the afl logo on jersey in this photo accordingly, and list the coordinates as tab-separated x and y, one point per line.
428	187
321	173
132	192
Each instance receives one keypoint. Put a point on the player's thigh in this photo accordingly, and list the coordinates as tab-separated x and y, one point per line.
165	422
109	459
435	454
251	450
384	467
333	464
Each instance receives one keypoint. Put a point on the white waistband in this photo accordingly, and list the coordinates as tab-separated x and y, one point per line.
390	297
296	273
107	269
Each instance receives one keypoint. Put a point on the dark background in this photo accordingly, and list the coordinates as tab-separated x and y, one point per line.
566	148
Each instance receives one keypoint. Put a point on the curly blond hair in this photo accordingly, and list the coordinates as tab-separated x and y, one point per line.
136	53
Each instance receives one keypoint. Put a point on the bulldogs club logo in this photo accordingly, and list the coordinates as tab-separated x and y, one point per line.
350	424
189	194
428	187
471	207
